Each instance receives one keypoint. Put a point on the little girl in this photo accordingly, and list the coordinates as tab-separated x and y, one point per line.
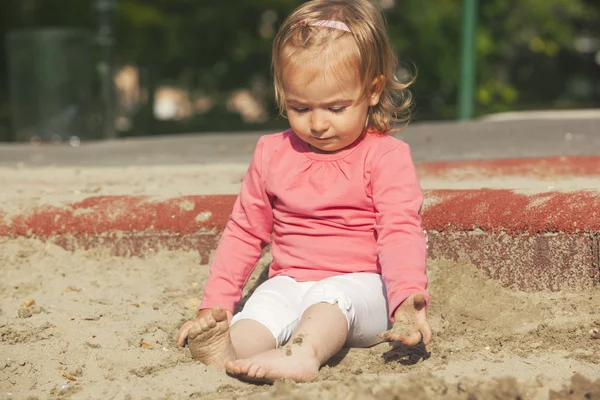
341	201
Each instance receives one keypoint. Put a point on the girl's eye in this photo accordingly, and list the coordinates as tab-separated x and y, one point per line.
337	110
300	110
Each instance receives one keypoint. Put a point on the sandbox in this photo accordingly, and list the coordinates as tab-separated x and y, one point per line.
98	326
98	273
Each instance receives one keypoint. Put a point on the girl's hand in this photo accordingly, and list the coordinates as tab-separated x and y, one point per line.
411	322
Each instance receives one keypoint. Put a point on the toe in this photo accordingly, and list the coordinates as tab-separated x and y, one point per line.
203	325
253	370
210	322
195	330
183	333
260	373
235	367
219	314
243	366
230	366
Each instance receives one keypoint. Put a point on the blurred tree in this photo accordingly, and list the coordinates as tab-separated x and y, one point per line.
526	50
531	53
522	46
212	47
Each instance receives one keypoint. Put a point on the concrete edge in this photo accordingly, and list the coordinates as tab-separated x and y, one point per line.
539	168
529	241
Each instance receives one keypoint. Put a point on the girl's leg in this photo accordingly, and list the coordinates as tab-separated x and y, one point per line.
268	319
365	306
250	337
321	332
349	309
269	316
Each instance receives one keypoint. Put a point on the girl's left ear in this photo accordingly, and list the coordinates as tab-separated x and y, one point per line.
376	89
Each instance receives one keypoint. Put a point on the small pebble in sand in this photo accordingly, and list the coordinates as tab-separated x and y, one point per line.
92	317
69	377
29	302
70	289
595	333
487	348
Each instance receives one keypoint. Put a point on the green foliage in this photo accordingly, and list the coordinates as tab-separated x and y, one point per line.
526	50
518	43
521	47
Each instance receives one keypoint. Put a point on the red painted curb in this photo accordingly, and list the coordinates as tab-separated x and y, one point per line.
529	241
127	225
494	210
512	212
105	215
541	168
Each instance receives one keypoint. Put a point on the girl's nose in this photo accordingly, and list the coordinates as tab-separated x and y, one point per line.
318	123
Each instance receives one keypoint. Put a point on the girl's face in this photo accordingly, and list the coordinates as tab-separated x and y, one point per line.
327	112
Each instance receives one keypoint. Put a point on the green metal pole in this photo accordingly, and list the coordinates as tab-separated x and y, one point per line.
466	95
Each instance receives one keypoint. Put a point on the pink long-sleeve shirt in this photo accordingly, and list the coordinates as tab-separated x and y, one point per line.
357	210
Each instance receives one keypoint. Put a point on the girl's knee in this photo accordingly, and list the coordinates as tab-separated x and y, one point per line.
331	293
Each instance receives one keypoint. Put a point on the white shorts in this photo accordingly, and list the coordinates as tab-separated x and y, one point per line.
279	303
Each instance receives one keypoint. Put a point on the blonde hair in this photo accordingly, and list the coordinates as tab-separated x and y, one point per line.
371	57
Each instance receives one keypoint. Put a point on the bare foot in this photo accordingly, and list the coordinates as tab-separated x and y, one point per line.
293	361
208	339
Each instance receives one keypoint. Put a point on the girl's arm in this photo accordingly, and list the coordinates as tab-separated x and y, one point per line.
401	246
247	232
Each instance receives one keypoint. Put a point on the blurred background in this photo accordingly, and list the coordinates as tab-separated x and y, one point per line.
75	70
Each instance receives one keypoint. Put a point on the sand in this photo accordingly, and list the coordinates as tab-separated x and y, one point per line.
54	185
103	327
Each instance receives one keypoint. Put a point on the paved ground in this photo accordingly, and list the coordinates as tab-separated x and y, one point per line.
429	142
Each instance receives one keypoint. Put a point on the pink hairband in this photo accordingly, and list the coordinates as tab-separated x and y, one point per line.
329	24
